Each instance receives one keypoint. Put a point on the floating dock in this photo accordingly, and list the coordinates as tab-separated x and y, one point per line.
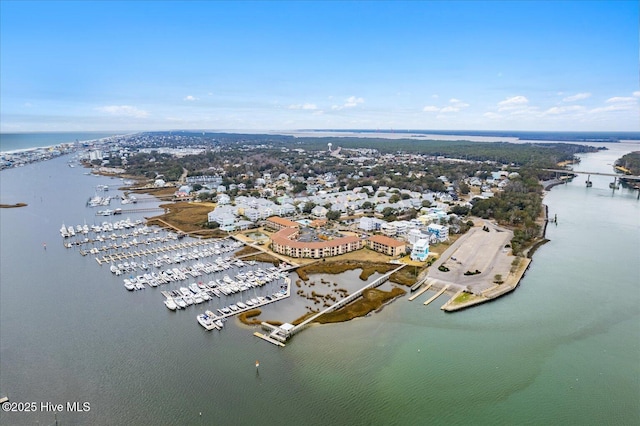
268	339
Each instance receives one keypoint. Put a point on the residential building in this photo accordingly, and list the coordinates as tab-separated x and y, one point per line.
277	223
441	232
386	245
285	242
420	250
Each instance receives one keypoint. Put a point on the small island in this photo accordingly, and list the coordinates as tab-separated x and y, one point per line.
11	206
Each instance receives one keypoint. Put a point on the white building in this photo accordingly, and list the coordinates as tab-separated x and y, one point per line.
420	250
441	232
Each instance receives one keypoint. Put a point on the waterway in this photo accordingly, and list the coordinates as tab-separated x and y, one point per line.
563	348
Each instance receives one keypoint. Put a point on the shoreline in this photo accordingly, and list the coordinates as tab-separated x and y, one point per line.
511	282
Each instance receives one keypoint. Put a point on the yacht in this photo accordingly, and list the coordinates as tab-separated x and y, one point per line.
206	321
129	285
169	303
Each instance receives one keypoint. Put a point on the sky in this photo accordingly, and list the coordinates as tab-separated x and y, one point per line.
216	65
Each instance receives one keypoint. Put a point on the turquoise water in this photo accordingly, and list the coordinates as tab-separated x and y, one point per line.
564	348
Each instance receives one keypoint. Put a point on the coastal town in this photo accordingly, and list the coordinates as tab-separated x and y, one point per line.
431	222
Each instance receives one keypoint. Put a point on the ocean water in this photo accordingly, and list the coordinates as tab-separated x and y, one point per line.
562	349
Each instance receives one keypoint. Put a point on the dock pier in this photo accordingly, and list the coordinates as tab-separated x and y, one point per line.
283	333
435	296
420	292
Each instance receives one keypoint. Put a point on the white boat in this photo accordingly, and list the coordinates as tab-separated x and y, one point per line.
241	305
180	302
169	303
129	285
206	321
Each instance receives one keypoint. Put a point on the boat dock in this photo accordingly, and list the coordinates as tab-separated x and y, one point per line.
152	251
269	339
438	294
420	292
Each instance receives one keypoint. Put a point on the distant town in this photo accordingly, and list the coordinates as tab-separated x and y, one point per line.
301	199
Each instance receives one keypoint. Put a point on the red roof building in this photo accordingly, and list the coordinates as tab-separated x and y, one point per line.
285	242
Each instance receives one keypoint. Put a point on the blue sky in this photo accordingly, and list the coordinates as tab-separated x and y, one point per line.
548	65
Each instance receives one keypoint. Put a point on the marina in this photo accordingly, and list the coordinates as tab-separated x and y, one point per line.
151	257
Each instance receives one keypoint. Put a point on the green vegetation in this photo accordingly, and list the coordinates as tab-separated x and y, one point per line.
476	272
443	268
338	267
630	162
372	299
518	206
463	297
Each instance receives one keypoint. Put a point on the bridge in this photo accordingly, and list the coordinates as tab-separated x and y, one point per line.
580	172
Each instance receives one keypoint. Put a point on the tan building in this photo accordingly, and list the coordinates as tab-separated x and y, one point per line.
277	223
285	242
389	246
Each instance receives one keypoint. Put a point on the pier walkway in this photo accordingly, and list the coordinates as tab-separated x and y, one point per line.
280	334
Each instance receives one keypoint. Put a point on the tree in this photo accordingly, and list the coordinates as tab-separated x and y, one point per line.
394	198
308	206
333	214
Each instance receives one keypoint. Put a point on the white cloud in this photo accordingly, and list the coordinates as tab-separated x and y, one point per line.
515	102
491	115
303	106
636	94
124	111
620	99
349	103
190	98
577	97
455	105
353	101
558	110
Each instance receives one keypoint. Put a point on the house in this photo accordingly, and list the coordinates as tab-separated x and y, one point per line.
319	212
370	224
389	246
439	231
223	199
420	250
388	229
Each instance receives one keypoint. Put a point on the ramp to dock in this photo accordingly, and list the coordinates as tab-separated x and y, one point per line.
438	294
428	286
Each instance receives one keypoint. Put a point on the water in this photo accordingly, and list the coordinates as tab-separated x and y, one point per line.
19	141
563	348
